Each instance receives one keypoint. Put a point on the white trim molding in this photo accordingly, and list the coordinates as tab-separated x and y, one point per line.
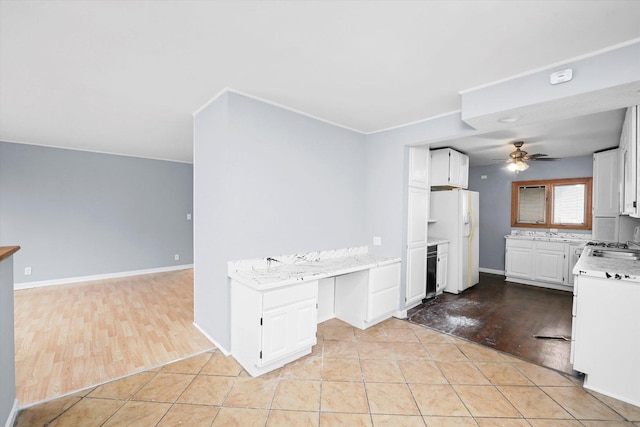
491	271
13	414
69	280
207	336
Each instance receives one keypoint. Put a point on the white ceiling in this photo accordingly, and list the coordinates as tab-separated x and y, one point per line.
124	76
577	136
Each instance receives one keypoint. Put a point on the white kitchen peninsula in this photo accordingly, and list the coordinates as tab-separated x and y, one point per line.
606	325
274	301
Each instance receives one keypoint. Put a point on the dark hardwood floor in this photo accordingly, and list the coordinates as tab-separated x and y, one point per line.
505	316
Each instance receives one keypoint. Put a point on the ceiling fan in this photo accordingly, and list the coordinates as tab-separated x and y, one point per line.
517	159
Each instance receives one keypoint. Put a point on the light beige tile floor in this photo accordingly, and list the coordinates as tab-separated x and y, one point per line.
394	374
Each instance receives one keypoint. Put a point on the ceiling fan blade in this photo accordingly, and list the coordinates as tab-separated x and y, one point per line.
532	156
538	159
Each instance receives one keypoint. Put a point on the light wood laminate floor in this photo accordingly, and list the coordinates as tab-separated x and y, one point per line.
70	337
393	374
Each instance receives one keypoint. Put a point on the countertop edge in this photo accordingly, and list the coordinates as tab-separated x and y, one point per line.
7	251
311	277
623	271
547	239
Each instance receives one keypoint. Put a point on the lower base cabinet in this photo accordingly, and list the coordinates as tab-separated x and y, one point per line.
605	345
271	328
538	263
367	297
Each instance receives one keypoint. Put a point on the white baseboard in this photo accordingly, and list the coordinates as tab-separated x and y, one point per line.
326	317
491	271
207	336
559	287
69	280
13	414
400	314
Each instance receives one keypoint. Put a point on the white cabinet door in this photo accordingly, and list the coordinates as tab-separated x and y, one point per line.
455	164
416	275
635	135
458	169
549	266
384	284
519	259
419	167
604	349
418	205
441	271
606	183
449	168
288	329
463	176
628	161
574	254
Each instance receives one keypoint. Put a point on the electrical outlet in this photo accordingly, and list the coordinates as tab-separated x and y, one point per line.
377	240
188	217
176	257
27	271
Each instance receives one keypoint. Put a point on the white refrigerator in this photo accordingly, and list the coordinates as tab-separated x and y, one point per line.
455	213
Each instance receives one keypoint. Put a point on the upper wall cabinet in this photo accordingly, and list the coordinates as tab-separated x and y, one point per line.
605	183
449	169
606	195
419	167
629	161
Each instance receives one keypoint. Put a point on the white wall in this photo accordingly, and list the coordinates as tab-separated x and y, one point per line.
7	347
77	213
268	182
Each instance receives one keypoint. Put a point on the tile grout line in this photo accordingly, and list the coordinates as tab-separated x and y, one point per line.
185	389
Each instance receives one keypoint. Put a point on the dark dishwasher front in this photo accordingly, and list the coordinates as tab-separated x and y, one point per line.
432	265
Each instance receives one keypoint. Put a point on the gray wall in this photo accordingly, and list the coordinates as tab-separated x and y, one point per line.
7	349
268	182
78	213
495	199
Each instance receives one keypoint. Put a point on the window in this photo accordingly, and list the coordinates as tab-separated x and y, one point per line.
555	203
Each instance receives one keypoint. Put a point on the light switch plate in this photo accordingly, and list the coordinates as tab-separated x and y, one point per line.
377	240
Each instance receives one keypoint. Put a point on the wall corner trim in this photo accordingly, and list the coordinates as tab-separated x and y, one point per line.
207	336
13	414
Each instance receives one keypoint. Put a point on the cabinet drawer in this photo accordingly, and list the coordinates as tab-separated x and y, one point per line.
385	277
550	246
514	243
381	303
289	295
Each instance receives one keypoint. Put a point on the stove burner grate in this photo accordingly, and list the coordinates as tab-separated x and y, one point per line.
609	245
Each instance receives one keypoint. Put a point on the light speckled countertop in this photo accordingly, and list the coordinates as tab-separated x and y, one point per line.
436	241
607	268
549	237
272	272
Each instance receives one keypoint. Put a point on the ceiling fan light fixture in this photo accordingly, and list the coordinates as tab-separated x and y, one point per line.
518	166
509	119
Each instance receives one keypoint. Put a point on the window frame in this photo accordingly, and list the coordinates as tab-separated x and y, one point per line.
549	185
